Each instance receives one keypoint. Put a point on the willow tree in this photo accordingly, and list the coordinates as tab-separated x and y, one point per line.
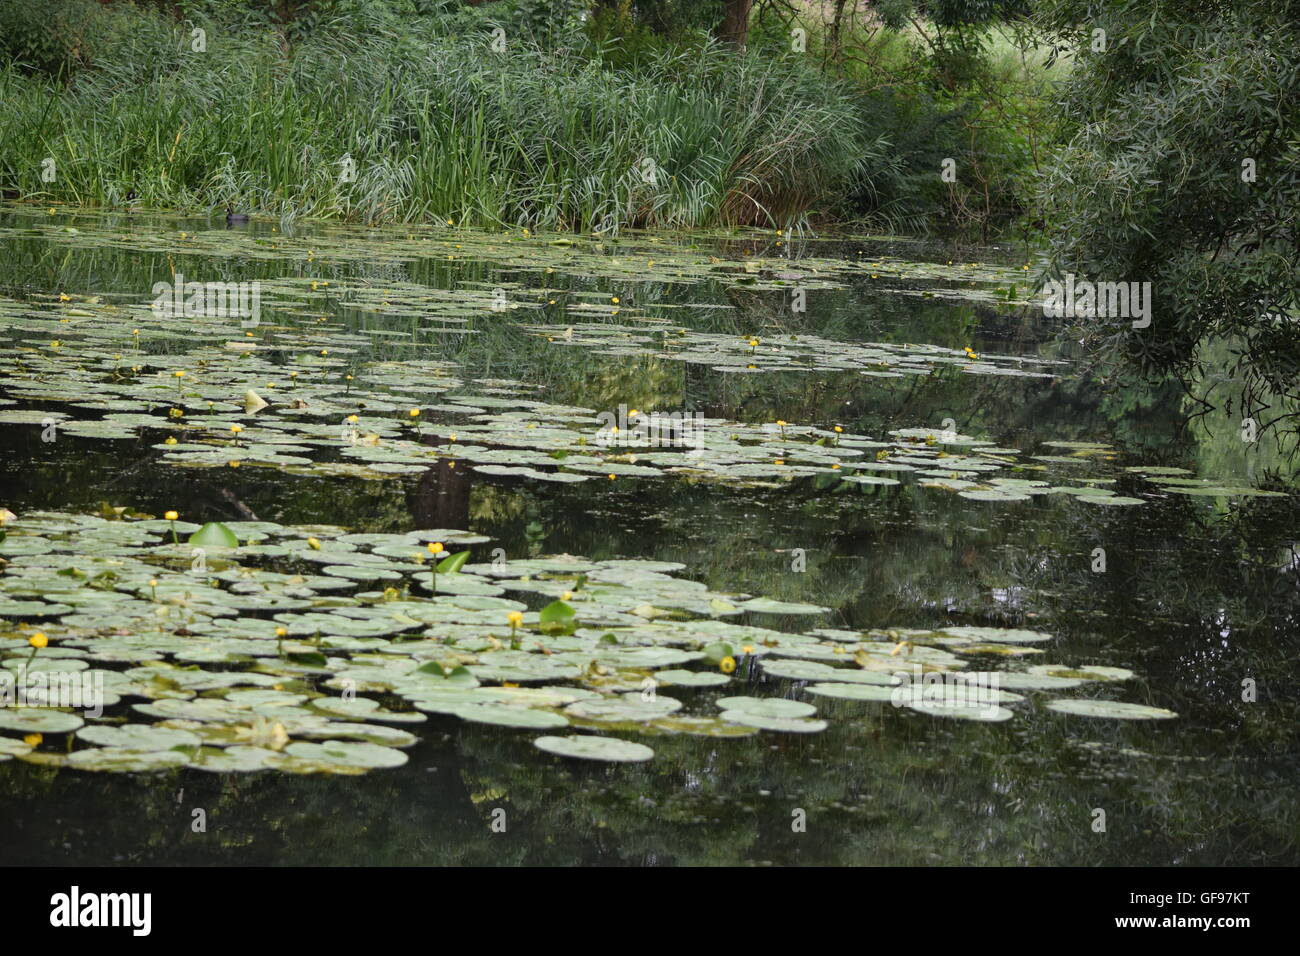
1182	168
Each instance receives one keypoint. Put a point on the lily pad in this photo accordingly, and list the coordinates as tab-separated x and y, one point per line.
608	749
507	716
767	706
1112	709
36	720
790	725
871	692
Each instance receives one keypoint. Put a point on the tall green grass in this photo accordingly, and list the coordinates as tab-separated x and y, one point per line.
437	127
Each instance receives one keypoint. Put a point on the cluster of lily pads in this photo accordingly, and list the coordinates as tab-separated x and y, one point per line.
787	353
308	400
763	261
311	649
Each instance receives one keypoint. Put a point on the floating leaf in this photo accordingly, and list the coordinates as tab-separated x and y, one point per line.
609	749
214	534
1113	709
36	720
453	563
767	706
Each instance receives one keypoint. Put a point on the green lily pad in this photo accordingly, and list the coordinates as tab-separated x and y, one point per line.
1008	635
1112	709
608	749
36	720
137	737
791	725
767	606
871	692
988	712
123	760
11	747
686	678
214	534
621	709
233	759
1090	672
340	754
767	706
504	715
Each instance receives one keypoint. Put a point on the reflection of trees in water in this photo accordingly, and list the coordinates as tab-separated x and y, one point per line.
880	787
1193	599
440	498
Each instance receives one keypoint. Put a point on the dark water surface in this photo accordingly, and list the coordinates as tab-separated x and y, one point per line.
1199	594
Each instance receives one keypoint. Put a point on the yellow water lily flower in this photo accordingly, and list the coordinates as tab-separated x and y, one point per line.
727	665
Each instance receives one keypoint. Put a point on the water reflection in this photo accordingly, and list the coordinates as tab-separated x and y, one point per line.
1200	597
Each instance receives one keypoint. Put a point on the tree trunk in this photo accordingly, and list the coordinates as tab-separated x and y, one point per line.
837	22
734	28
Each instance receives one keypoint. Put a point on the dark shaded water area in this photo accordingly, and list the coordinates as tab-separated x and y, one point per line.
1200	595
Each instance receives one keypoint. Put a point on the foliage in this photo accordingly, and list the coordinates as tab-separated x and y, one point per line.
1154	184
452	130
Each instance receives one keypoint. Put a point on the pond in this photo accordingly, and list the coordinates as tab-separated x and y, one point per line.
644	550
